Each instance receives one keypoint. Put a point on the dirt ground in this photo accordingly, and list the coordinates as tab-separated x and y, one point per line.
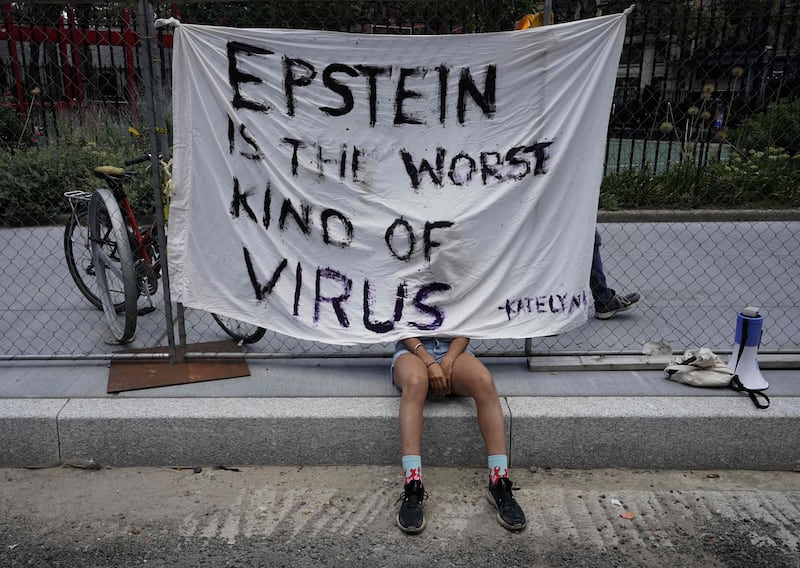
332	516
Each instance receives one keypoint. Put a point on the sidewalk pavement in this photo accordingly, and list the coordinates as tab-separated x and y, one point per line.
344	412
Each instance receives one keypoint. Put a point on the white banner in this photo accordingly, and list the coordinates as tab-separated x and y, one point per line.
352	188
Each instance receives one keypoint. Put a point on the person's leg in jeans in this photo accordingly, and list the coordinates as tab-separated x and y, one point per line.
607	303
601	293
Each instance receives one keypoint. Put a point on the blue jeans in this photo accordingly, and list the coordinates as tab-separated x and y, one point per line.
601	293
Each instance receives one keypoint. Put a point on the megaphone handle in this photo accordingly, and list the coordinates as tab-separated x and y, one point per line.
736	384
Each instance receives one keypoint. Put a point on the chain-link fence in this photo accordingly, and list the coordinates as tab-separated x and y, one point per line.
705	117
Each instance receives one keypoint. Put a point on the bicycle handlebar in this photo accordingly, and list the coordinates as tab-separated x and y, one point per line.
138	160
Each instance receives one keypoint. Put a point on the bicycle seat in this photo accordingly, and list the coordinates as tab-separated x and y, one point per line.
112	173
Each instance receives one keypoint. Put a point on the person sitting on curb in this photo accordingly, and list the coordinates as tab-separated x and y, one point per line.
607	303
435	368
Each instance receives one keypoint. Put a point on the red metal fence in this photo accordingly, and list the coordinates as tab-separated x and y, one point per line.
70	60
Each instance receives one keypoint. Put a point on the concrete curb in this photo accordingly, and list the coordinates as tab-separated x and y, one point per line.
252	431
569	432
29	431
656	433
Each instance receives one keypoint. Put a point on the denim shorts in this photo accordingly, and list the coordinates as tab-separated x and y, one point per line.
436	346
433	345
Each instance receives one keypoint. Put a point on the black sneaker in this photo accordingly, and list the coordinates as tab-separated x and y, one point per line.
410	518
616	305
509	513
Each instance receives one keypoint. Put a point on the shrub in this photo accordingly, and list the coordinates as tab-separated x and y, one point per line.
12	127
777	127
33	181
761	179
645	189
757	179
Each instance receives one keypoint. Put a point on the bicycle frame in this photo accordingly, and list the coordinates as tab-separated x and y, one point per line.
141	256
141	240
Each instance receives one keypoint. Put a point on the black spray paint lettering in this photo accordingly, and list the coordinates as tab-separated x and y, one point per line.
485	100
256	154
298	287
389	238
434	311
372	73
331	83
420	302
347	226
428	243
546	304
292	80
333	287
290	214
302	219
262	290
335	301
236	77
300	73
239	201
492	165
400	116
414	172
296	144
384	326
343	157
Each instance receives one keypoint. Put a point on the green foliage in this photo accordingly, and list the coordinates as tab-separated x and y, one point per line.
13	130
644	189
33	180
777	127
759	179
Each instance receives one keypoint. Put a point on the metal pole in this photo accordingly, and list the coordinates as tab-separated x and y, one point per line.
548	9
148	36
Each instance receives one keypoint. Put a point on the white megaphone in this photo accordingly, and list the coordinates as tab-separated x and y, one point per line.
744	359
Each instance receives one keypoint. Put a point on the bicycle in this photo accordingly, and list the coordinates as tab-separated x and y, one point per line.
114	260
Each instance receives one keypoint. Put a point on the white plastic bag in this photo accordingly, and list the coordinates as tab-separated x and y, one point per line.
703	368
699	368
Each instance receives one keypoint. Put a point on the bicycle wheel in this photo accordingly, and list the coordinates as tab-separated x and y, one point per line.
78	255
113	265
239	330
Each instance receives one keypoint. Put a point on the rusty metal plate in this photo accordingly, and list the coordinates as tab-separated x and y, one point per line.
132	375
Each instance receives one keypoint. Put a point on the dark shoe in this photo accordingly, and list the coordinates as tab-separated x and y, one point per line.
410	518
509	513
616	305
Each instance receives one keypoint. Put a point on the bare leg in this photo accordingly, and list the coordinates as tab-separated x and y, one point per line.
471	378
411	377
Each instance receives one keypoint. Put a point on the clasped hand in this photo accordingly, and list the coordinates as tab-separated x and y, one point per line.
440	377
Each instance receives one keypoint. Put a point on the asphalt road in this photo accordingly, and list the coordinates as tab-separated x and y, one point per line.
344	516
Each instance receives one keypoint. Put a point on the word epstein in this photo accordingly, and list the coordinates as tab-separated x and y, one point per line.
410	84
